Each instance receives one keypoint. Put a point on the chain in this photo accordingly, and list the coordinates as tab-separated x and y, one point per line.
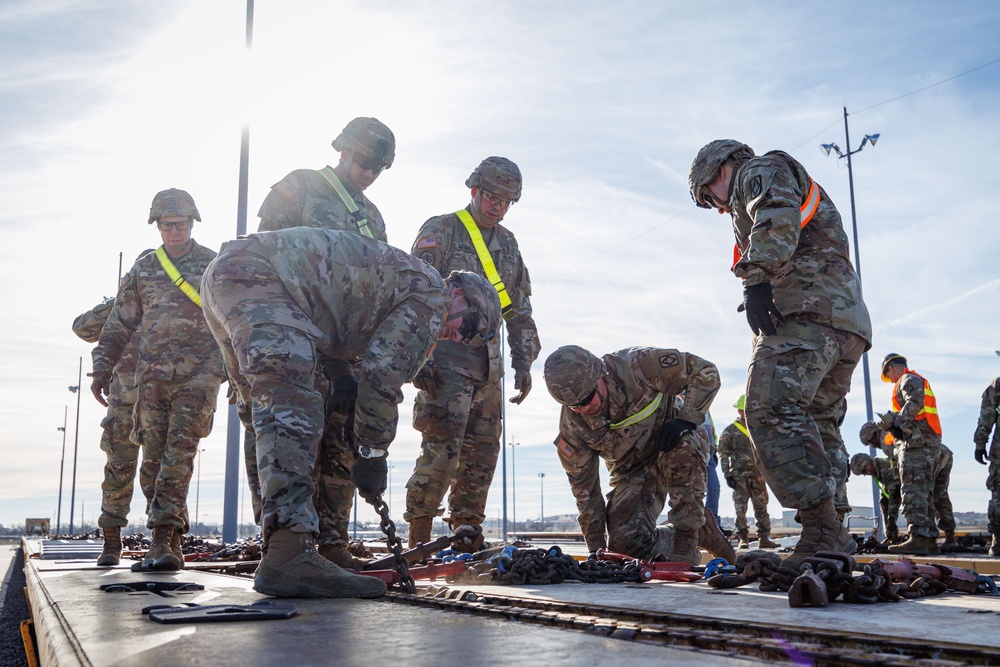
399	563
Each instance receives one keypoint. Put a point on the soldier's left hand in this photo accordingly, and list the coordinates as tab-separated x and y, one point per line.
100	386
897	433
343	395
758	302
231	393
522	383
669	435
369	475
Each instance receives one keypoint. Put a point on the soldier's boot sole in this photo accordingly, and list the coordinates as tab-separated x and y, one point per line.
711	539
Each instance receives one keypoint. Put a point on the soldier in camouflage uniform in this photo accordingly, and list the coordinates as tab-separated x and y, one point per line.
742	474
803	302
275	302
178	374
913	429
988	420
883	470
458	409
331	198
122	454
621	408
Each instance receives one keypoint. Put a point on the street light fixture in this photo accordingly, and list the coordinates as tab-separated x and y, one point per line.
62	460
826	148
76	443
541	486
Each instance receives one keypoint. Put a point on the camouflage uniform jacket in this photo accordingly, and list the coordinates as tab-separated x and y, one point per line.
360	295
634	378
809	267
444	243
989	416
304	198
910	397
174	340
736	453
884	472
88	327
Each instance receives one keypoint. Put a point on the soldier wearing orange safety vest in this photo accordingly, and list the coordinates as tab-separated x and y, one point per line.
914	431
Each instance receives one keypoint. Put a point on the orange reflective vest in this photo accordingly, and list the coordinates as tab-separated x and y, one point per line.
806	213
929	412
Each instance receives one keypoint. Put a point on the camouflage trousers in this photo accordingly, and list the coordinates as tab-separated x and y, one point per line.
750	486
120	467
276	371
795	404
334	488
993	486
915	458
890	506
943	512
171	418
458	451
637	498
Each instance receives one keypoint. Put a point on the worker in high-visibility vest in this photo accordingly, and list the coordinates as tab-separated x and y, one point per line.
803	302
989	420
913	429
458	410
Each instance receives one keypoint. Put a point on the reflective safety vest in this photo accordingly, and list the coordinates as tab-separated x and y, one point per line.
806	213
348	200
742	428
928	412
485	258
639	416
176	276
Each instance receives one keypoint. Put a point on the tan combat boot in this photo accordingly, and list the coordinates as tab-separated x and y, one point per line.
112	552
161	555
915	545
292	568
340	556
995	547
950	543
685	548
764	541
744	539
711	539
821	531
663	544
420	531
175	546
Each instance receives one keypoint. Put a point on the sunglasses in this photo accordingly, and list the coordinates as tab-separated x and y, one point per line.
493	200
369	164
587	400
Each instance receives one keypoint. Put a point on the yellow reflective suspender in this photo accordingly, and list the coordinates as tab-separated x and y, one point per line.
881	488
352	206
743	429
639	416
176	276
484	257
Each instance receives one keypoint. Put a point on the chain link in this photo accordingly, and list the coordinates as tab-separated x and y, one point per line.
395	545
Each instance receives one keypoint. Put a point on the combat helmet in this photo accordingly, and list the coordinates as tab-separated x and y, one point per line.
497	175
859	462
484	301
870	434
370	138
173	202
707	163
571	374
891	358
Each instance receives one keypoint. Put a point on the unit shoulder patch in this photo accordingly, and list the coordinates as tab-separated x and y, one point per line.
669	360
756	187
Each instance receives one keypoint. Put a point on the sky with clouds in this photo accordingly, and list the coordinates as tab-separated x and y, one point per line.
602	105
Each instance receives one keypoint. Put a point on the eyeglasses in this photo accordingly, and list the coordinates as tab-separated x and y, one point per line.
493	200
587	400
167	226
369	164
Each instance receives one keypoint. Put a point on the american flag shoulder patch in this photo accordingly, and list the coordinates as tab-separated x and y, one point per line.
426	242
286	189
565	448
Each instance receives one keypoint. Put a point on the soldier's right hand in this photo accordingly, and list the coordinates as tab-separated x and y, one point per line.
428	379
981	455
100	386
731	483
369	475
669	435
758	302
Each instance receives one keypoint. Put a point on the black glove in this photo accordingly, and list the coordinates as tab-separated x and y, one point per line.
731	482
981	455
369	475
758	302
100	386
897	433
343	395
428	379
522	383
668	436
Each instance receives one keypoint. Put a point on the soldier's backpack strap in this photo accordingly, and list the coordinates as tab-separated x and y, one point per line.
639	416
485	258
176	276
352	207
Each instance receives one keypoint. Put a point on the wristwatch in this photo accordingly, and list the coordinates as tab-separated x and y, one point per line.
366	452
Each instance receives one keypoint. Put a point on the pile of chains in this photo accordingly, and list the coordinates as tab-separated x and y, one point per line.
552	566
395	546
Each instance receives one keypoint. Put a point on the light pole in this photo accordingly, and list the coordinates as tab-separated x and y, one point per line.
76	443
826	148
541	486
513	486
197	489
62	460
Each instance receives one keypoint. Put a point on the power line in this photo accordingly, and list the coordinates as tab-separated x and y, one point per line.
919	90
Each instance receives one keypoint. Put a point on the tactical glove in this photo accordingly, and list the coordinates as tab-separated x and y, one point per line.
887	419
428	379
100	386
343	395
669	435
522	383
731	483
369	475
981	455
758	302
897	432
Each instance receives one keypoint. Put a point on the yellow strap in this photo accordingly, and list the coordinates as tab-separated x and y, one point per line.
176	276
352	206
484	257
639	416
743	429
881	488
